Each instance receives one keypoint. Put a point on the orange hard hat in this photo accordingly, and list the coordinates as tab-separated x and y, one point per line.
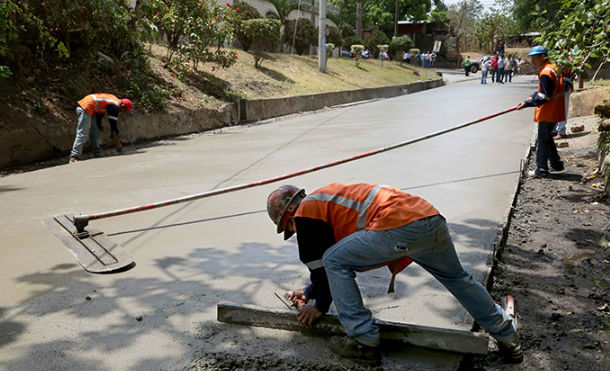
281	204
127	103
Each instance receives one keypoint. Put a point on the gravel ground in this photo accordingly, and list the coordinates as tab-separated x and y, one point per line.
556	266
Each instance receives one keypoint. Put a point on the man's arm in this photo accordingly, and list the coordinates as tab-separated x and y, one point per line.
547	86
314	238
113	117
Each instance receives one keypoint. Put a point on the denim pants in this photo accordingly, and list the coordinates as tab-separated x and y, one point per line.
484	77
428	243
84	129
499	74
546	151
508	75
560	128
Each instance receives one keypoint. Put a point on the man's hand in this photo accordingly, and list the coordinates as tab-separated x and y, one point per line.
298	297
520	105
308	315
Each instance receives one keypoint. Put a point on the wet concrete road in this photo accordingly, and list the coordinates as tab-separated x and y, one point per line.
189	257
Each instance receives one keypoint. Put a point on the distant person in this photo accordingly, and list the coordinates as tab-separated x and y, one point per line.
432	59
568	82
500	48
97	105
418	58
467	65
500	72
550	109
494	68
386	56
508	69
407	57
424	59
485	66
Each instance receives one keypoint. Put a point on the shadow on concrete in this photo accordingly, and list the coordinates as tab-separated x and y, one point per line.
4	189
461	180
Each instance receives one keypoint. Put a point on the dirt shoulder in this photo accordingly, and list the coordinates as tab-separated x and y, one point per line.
555	267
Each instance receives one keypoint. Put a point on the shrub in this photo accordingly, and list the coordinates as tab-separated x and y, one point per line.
374	39
247	12
414	52
357	53
399	46
353	40
306	35
193	27
329	49
334	37
263	33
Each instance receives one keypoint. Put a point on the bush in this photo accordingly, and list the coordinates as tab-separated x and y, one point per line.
247	12
374	39
414	52
399	46
263	34
330	47
353	40
193	27
306	35
334	37
357	53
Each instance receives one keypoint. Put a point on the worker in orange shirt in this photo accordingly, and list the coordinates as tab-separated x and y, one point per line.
97	105
550	109
345	228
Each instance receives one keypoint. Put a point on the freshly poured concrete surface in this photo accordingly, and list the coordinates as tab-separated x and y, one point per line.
191	256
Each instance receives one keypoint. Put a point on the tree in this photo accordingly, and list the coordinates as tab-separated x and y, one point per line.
305	36
282	9
462	18
247	12
493	24
400	45
262	33
381	13
334	37
581	36
529	19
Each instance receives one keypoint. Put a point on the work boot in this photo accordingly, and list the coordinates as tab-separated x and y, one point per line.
511	351
349	347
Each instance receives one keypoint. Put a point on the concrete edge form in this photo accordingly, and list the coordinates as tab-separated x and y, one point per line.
463	342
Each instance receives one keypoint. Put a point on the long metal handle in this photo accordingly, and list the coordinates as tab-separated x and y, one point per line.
107	214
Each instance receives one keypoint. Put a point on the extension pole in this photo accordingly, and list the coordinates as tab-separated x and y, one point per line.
81	220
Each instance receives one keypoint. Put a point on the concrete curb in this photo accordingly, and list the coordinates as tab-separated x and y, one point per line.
261	109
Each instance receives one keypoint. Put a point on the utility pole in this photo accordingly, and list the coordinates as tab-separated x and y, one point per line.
395	18
322	38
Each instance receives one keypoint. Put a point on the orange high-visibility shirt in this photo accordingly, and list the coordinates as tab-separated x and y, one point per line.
97	103
554	109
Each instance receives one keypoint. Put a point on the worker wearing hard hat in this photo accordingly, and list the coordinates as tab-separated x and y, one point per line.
97	105
550	109
342	229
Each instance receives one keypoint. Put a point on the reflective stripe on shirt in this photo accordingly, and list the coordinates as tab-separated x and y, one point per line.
360	207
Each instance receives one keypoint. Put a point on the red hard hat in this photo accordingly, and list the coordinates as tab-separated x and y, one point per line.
282	203
127	103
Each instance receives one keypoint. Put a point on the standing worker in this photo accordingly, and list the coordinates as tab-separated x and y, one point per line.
550	109
97	105
467	65
342	229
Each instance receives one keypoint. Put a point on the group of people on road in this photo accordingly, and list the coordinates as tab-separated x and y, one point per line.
425	59
501	69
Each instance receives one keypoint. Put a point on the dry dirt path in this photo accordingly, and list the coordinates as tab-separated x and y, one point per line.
161	314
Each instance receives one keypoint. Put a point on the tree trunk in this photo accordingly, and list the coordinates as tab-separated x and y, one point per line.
359	18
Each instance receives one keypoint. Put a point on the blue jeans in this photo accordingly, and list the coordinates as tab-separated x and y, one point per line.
84	129
546	151
499	74
428	243
560	128
484	77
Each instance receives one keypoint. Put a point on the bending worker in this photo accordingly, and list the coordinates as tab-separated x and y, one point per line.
550	109
342	229
97	105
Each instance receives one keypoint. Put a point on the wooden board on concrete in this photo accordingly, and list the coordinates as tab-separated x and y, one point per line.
464	342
